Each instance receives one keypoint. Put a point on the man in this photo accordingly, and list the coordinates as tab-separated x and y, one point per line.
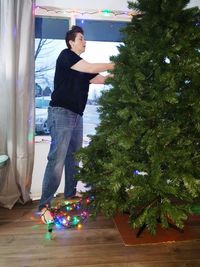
73	76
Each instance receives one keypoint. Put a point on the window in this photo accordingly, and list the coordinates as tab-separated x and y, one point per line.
49	42
49	36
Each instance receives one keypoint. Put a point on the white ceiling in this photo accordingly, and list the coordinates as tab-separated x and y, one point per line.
85	4
94	4
90	9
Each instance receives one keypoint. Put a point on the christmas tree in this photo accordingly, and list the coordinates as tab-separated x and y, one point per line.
144	158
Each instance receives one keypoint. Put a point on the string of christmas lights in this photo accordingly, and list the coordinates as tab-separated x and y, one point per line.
70	214
104	12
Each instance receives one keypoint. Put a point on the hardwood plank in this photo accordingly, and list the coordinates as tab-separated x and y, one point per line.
24	242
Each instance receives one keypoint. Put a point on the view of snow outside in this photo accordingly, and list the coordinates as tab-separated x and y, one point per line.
46	53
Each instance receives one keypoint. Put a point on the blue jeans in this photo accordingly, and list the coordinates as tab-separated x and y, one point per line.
66	130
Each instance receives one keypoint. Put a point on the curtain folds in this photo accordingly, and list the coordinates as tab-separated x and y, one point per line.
16	99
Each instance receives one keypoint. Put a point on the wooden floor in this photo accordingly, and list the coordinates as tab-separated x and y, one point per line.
24	242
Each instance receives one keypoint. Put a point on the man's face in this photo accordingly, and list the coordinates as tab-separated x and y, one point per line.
79	44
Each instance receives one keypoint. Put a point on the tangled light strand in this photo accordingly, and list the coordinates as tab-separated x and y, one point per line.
70	214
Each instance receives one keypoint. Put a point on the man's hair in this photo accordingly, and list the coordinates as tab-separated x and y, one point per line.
71	34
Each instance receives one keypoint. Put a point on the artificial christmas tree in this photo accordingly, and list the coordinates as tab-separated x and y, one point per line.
144	158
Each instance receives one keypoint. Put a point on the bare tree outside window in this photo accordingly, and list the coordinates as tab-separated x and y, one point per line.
43	52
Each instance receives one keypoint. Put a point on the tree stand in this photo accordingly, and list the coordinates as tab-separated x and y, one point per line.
171	225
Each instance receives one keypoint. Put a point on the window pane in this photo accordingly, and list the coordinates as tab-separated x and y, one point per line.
51	28
49	41
102	30
45	61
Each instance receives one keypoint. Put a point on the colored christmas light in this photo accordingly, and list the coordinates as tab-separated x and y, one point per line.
136	172
70	214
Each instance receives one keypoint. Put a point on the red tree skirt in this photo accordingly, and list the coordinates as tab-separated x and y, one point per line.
191	231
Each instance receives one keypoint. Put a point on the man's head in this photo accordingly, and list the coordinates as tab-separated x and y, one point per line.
75	38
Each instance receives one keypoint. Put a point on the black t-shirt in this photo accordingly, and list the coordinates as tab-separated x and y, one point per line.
70	86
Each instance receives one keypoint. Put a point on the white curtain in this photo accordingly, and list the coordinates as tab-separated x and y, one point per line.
16	99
